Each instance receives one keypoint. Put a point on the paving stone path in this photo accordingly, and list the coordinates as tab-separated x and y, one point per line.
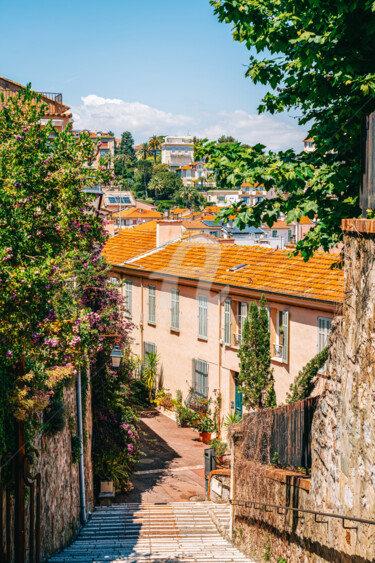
178	532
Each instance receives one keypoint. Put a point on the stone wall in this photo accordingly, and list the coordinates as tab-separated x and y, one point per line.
60	500
60	517
343	443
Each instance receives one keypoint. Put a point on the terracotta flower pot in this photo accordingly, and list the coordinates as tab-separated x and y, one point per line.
205	437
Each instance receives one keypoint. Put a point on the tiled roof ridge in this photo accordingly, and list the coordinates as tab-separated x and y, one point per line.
269	270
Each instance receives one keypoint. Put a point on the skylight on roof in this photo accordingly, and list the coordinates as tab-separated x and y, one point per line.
238	267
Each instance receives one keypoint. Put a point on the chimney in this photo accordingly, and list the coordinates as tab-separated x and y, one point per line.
167	231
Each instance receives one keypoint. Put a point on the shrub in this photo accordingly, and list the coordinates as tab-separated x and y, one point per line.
206	424
76	448
186	417
54	416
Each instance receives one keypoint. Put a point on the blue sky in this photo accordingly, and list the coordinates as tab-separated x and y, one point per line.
165	67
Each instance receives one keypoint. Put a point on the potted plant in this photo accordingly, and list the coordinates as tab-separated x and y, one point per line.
186	417
220	449
205	428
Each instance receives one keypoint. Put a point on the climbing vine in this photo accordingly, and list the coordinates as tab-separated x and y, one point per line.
306	380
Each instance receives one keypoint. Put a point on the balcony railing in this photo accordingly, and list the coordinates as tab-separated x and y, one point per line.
52	96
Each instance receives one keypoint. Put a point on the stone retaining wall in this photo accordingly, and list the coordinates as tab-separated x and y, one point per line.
60	500
343	441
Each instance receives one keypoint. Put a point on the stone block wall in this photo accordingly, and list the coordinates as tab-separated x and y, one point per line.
343	442
60	500
60	517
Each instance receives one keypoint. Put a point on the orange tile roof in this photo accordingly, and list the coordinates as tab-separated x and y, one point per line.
179	210
278	225
149	226
264	269
249	185
138	213
127	244
305	221
195	224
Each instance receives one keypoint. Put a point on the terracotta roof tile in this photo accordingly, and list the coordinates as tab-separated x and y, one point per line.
137	213
127	244
264	270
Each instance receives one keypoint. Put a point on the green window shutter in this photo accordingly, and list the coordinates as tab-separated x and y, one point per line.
285	325
152	304
129	297
175	310
202	378
227	322
194	378
202	316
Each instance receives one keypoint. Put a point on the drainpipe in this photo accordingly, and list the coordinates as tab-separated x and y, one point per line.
81	461
220	362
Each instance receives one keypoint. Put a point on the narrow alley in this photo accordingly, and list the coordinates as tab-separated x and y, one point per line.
164	518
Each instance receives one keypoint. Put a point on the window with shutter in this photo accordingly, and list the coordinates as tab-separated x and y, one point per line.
202	316
242	314
227	321
324	327
200	378
175	310
129	297
152	304
285	325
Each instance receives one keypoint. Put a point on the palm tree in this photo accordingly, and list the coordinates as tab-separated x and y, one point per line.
150	372
145	151
189	194
155	143
156	184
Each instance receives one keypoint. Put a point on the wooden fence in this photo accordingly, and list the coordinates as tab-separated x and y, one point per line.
281	435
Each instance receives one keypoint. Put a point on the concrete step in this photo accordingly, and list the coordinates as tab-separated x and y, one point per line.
154	533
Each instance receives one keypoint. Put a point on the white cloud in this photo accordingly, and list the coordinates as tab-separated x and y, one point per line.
275	133
97	113
103	114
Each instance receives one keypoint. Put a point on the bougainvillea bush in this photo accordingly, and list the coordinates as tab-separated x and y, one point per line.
56	304
116	430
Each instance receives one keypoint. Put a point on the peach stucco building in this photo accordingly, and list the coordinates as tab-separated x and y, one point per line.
188	301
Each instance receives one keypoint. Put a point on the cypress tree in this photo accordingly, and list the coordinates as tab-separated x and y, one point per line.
256	375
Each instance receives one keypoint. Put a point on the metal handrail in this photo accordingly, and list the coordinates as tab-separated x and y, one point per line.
260	505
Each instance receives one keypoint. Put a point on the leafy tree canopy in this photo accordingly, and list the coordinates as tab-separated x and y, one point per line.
318	62
54	299
226	139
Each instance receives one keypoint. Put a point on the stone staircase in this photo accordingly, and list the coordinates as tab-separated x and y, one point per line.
154	533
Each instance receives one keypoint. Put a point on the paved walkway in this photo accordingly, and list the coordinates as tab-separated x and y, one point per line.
160	533
173	467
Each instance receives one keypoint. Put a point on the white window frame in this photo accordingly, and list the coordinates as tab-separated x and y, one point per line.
152	304
129	297
203	316
175	310
228	322
324	328
243	309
